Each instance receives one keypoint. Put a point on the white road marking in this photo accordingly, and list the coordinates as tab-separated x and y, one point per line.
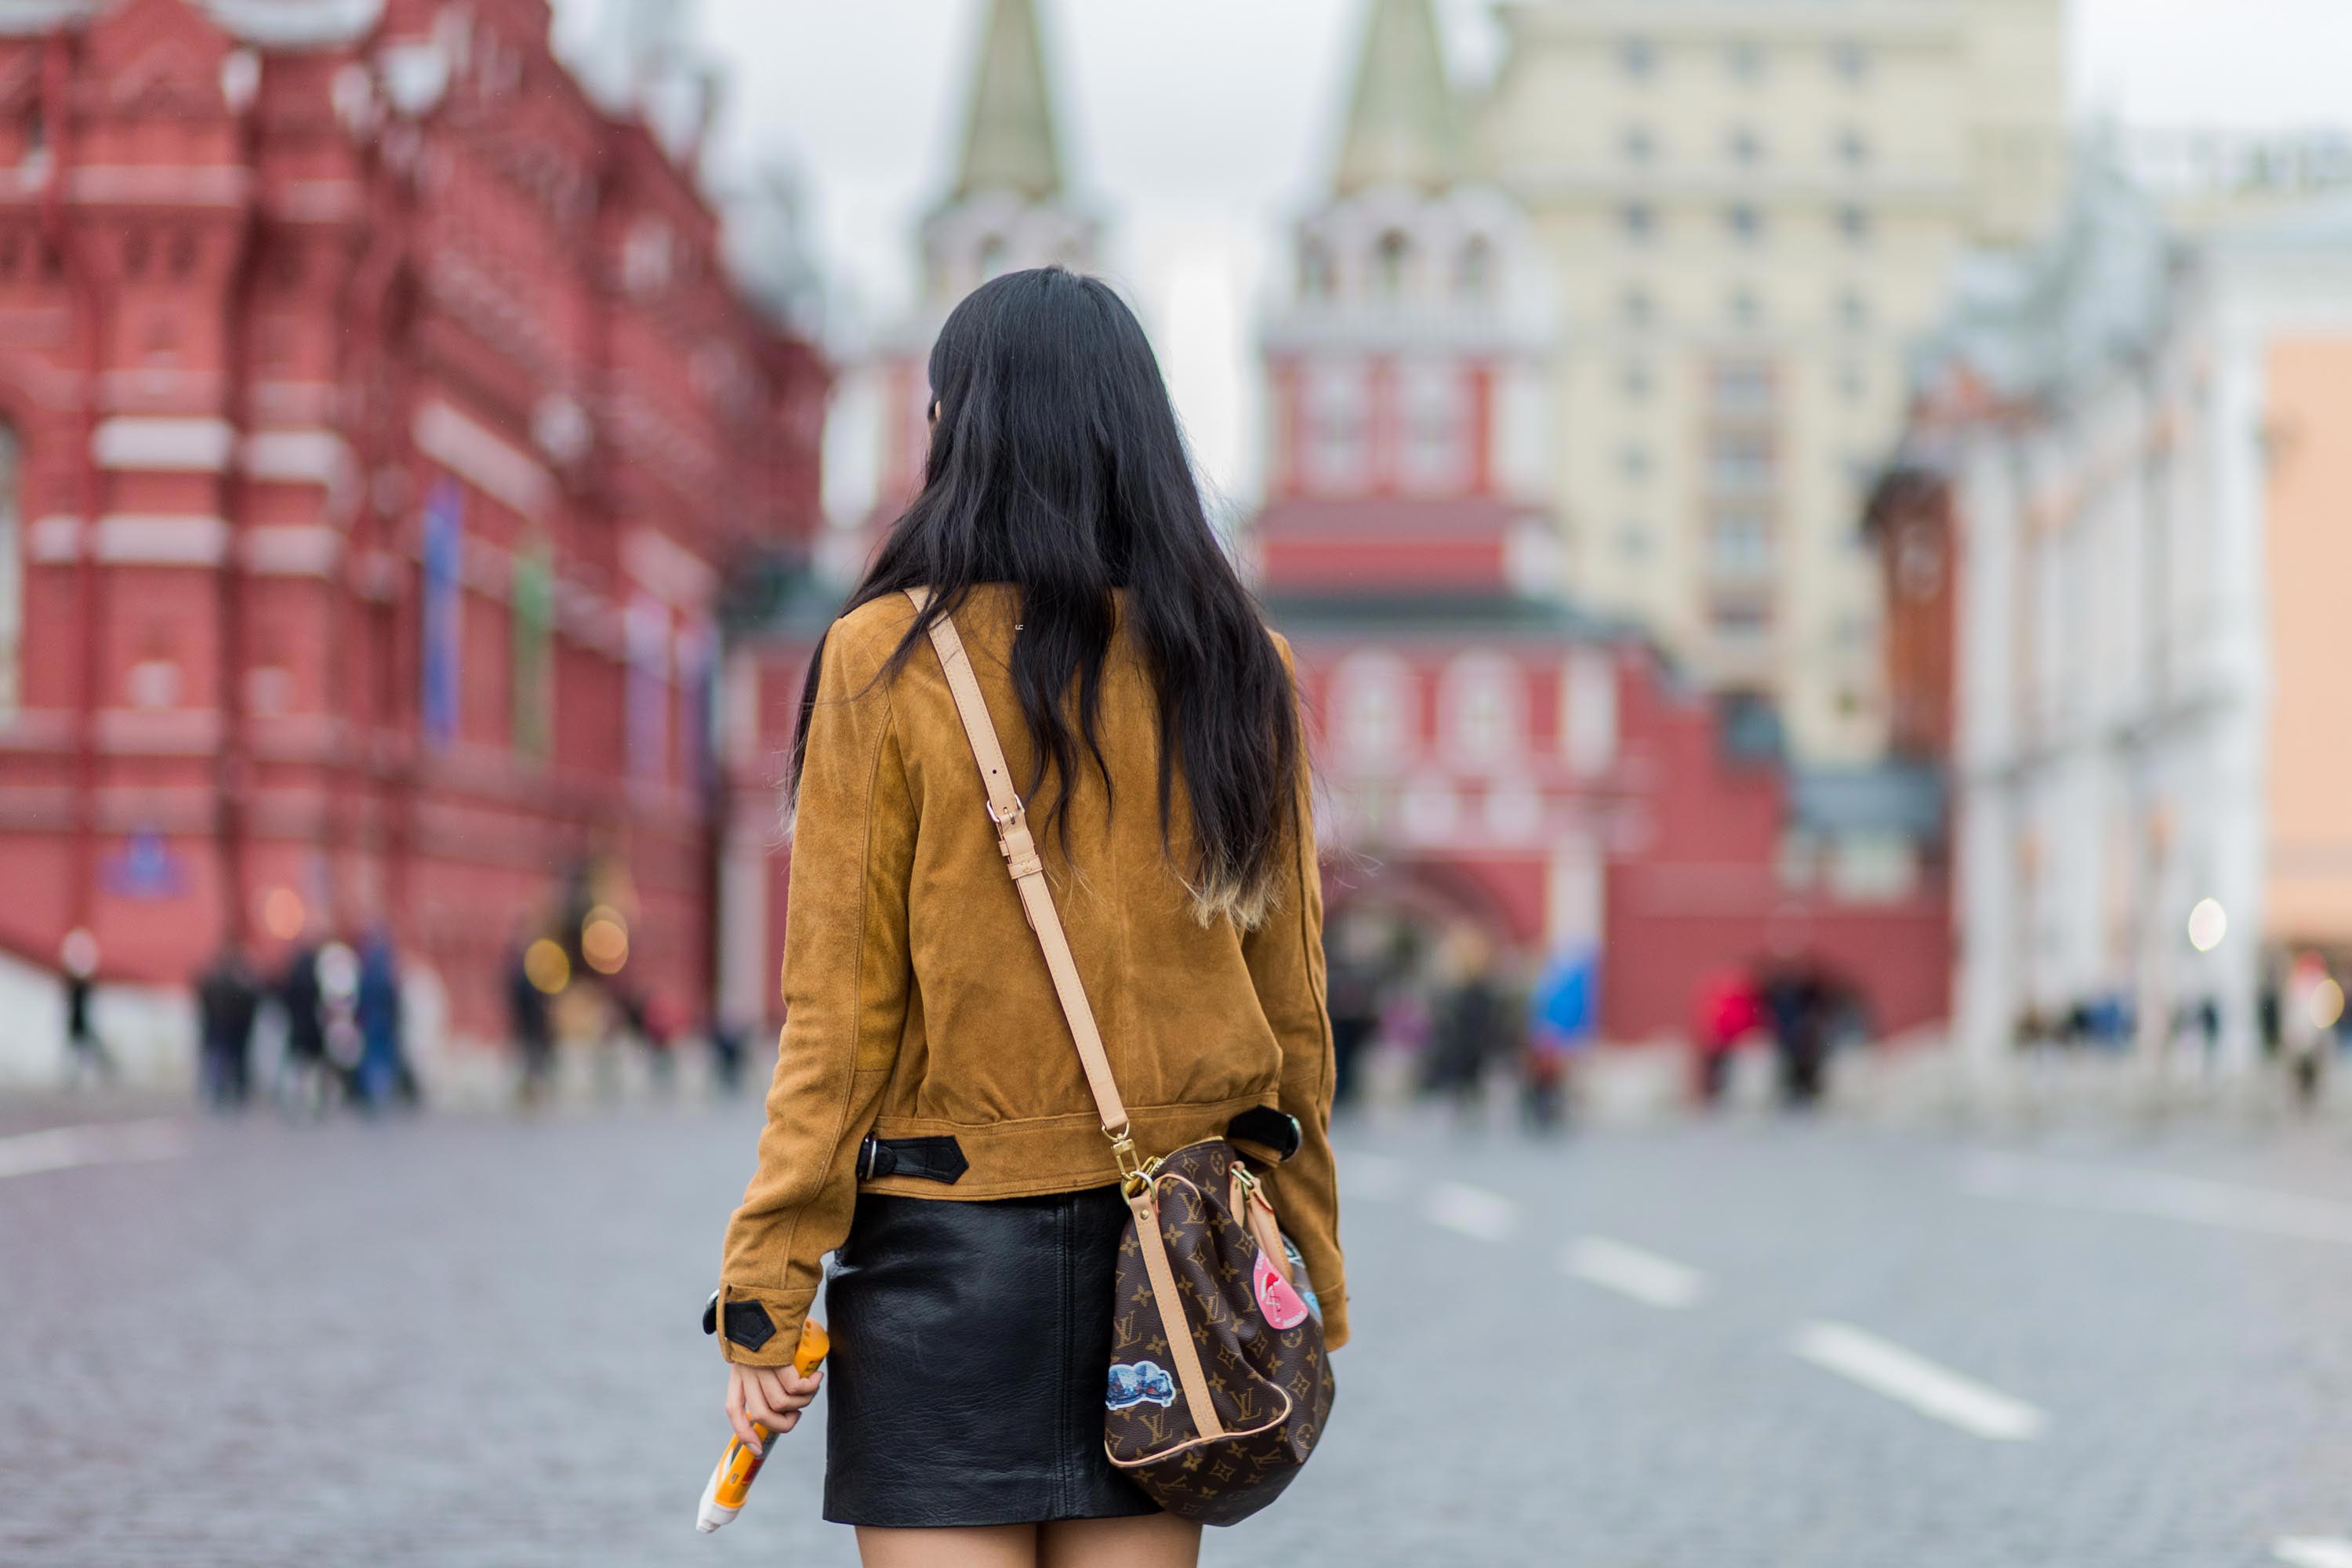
1631	1271
96	1143
1374	1176
1473	1211
1885	1367
2193	1200
2313	1550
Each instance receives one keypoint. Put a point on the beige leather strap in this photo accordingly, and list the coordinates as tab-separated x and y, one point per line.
1021	858
1186	1355
1019	848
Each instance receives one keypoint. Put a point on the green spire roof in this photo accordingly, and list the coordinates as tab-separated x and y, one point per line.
1009	142
1404	126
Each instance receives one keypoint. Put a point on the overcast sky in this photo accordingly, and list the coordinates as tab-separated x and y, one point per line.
1195	127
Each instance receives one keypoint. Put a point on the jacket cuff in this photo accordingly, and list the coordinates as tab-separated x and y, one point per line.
1334	1303
756	1327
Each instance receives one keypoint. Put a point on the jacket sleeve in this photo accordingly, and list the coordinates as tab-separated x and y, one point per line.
848	975
1285	964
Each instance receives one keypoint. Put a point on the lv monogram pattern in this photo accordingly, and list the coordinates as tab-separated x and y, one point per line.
1271	1388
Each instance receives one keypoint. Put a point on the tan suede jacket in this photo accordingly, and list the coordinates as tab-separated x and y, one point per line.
918	1005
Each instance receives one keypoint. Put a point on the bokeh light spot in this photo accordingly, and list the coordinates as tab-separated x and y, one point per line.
544	965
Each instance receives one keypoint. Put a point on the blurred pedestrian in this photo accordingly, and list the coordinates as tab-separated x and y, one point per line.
382	1076
338	970
727	1054
1564	1017
1797	1005
1469	1025
87	1056
304	1080
1353	985
529	1019
659	1023
2310	1008
1724	1013
228	1000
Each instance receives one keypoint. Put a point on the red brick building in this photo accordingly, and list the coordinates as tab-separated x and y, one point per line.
380	418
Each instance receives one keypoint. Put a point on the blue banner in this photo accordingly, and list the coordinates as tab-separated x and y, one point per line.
445	588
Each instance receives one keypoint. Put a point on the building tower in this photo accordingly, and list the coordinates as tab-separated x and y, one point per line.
1408	364
1406	545
1752	207
1008	208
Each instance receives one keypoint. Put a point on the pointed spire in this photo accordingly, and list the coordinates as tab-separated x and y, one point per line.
1404	126
1008	141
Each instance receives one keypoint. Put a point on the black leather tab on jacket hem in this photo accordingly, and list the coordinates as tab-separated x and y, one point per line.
1275	1131
749	1325
936	1159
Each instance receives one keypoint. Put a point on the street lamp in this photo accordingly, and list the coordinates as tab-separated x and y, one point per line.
2207	924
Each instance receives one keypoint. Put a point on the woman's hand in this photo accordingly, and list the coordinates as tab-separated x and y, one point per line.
773	1396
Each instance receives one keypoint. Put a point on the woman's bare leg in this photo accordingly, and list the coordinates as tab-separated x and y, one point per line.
1152	1541
989	1546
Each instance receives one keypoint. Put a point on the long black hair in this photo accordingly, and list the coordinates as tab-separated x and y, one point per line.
1056	466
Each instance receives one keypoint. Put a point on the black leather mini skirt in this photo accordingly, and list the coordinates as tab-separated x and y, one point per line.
971	1349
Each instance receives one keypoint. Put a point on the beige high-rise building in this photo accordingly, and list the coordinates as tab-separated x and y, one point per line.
1754	207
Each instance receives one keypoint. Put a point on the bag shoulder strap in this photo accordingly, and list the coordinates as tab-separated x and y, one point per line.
1015	841
1021	858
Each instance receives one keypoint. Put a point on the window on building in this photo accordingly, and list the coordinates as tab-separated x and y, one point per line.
1338	420
1372	708
1587	719
1918	564
1849	59
12	575
1745	59
1852	308
1635	379
1740	542
1854	223
1747	309
1639	144
1436	458
1475	277
1742	386
1633	460
1317	279
1633	539
1640	219
1853	383
1852	148
1740	620
1389	262
1747	148
1746	224
1483	704
1740	461
1638	56
1638	308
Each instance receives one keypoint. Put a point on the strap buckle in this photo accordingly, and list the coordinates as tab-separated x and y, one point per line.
1012	840
1134	1171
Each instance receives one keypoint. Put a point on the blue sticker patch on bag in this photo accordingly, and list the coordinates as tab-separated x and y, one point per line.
1299	1272
1140	1383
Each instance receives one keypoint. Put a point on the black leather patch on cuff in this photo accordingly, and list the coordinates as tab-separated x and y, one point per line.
936	1159
749	1325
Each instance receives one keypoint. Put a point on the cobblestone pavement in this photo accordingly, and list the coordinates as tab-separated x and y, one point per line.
471	1341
